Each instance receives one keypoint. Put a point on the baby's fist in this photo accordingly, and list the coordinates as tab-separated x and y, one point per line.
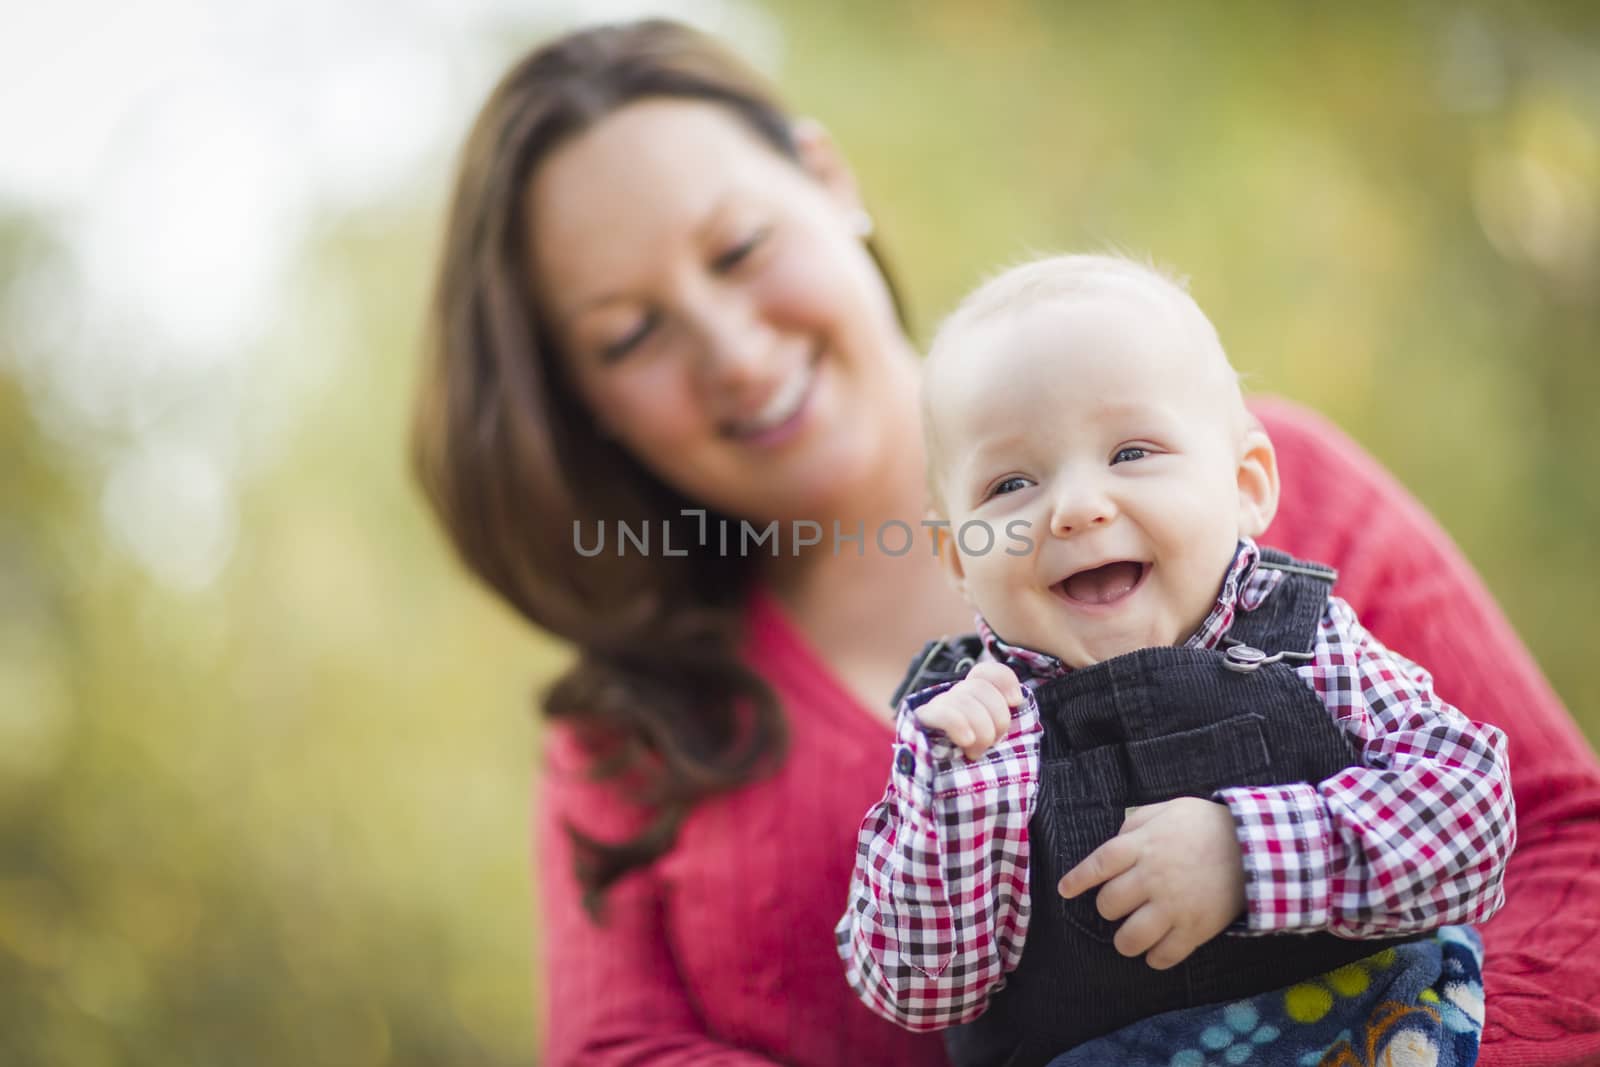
976	711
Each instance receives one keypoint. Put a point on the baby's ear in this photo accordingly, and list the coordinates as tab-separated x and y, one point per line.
1258	481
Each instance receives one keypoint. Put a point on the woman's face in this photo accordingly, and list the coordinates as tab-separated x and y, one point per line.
716	308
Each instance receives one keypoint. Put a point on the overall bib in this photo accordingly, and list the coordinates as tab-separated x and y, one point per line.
1137	729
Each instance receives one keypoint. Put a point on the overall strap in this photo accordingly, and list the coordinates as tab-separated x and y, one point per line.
947	659
1287	620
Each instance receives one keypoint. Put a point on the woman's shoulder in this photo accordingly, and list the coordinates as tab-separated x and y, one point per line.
568	758
1309	443
1336	500
1340	506
574	785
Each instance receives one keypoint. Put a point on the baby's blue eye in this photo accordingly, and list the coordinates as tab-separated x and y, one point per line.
1010	485
1128	455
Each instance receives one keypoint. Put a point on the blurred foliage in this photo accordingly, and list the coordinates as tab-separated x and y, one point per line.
282	818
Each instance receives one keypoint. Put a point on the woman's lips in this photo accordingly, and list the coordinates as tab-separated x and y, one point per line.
783	412
1103	585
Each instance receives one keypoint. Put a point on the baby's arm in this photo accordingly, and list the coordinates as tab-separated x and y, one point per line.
1415	838
939	904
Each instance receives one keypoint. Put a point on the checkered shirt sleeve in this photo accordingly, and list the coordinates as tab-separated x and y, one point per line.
939	904
1415	838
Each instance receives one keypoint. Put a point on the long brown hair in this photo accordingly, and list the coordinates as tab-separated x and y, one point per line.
511	461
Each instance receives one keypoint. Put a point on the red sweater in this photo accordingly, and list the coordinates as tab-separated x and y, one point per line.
722	953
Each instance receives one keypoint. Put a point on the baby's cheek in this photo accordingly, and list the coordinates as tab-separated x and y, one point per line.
1017	611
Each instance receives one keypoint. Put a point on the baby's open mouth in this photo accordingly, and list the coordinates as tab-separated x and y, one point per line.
1105	584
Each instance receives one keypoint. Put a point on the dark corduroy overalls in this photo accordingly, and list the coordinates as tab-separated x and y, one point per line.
1145	727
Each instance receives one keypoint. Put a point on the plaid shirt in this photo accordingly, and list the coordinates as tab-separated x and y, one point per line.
1415	838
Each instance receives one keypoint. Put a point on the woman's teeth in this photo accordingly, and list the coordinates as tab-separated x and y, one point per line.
782	406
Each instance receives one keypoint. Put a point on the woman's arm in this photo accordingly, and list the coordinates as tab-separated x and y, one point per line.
1414	591
612	991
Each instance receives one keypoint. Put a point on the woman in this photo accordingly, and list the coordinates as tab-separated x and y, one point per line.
660	303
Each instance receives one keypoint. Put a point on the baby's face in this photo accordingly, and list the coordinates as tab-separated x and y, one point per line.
1111	425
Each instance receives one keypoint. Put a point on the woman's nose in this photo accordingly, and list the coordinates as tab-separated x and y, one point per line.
1080	508
733	344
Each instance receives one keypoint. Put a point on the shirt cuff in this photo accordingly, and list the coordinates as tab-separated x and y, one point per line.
927	758
1286	843
918	754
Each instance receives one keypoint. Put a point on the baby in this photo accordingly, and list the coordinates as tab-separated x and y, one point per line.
1161	733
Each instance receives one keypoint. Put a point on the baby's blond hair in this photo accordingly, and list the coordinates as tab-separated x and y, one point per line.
1047	280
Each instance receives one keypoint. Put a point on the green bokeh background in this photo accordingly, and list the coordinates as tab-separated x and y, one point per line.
283	818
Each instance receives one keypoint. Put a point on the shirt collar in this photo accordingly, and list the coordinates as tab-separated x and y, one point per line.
1238	593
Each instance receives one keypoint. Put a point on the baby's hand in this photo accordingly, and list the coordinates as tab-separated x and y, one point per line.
976	711
1174	870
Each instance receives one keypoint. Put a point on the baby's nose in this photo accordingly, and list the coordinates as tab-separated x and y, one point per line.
1080	511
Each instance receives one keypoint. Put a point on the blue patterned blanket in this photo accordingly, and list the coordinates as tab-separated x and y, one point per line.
1417	1005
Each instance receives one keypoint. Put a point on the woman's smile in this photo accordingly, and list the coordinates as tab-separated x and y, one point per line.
783	415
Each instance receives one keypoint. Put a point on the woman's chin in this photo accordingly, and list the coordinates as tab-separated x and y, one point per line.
828	473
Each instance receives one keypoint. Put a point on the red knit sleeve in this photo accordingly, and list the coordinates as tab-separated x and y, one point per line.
1414	590
612	991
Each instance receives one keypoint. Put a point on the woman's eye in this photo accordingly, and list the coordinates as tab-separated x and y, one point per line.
1128	455
629	341
1010	485
737	254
